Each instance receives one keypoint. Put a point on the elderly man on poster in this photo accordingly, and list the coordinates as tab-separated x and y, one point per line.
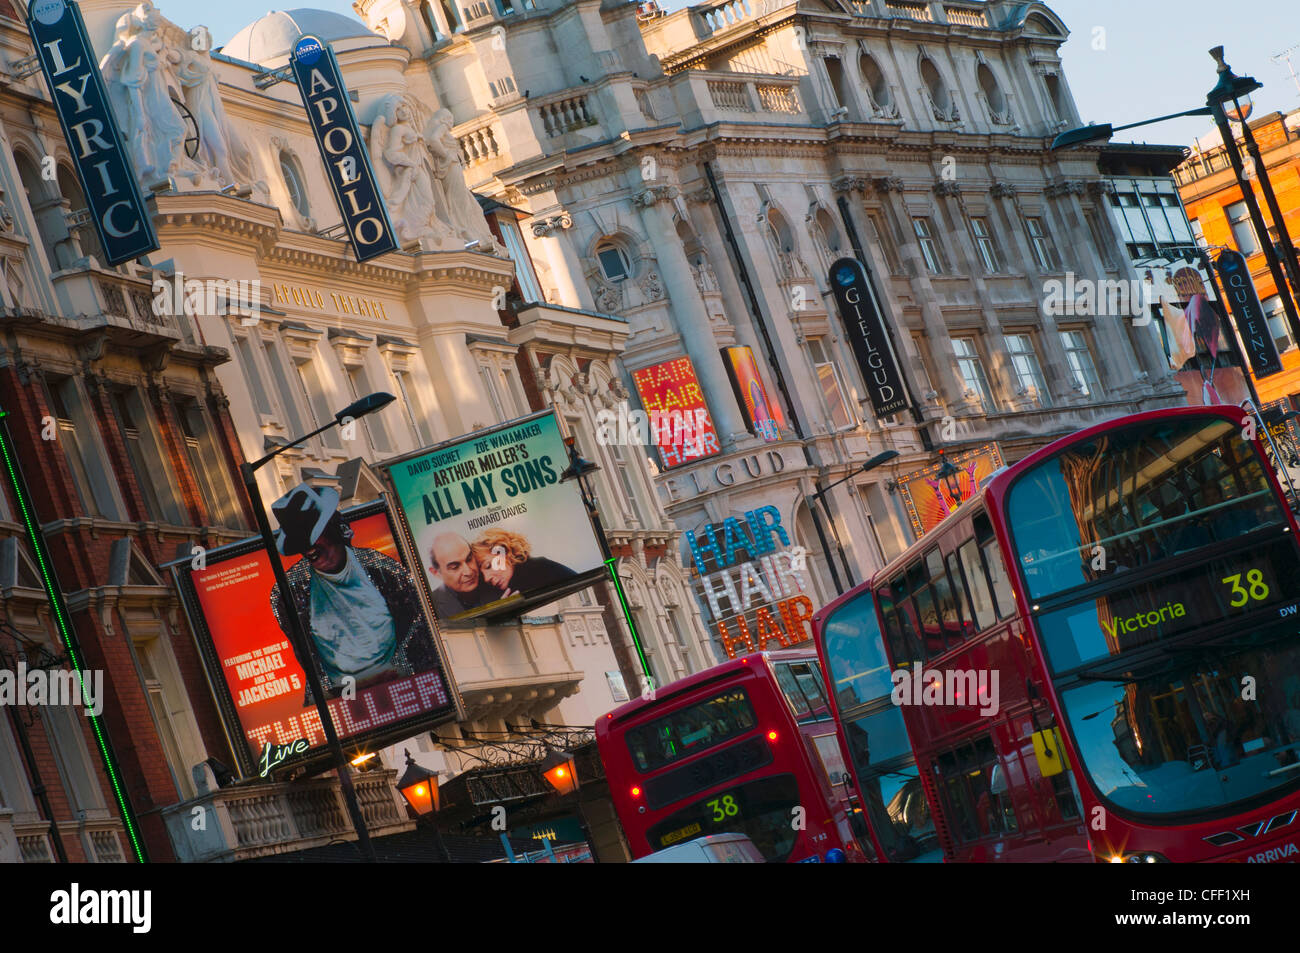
360	607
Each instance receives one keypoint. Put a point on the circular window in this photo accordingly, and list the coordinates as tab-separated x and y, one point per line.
293	181
613	261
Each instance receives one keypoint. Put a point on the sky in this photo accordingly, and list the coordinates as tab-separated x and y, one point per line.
1125	60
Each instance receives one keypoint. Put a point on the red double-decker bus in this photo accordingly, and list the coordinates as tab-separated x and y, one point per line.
1096	657
746	747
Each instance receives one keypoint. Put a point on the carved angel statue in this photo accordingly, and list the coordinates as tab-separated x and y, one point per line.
139	70
405	174
461	209
219	145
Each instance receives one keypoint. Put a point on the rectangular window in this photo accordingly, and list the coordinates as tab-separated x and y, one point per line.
415	412
290	417
490	385
1044	250
1243	229
984	242
974	784
800	683
313	391
1079	356
1197	233
359	382
880	235
1003	595
208	465
1277	324
252	375
924	230
972	372
78	438
1029	376
833	389
167	716
529	286
152	471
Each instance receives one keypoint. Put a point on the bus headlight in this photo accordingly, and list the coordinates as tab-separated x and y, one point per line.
1144	857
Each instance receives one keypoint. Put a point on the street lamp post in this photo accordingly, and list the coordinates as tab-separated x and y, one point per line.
1235	89
419	786
297	635
820	496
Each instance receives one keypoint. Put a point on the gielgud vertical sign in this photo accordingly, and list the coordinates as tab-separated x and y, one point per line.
347	163
71	71
866	333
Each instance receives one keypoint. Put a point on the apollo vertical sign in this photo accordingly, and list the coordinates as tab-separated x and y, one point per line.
866	332
329	111
1252	323
67	59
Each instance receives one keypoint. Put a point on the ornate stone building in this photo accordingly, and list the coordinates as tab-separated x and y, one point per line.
697	172
131	416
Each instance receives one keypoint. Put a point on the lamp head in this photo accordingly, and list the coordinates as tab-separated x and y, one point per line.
366	405
1075	137
578	467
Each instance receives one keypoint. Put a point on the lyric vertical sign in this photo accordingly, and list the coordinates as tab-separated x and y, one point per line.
347	163
1252	323
866	332
68	61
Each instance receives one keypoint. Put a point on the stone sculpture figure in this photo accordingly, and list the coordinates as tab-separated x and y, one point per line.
219	147
405	173
135	69
461	208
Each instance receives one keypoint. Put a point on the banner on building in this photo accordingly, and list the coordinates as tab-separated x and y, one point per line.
764	415
1248	312
865	328
929	498
347	162
680	425
754	586
495	529
402	685
103	166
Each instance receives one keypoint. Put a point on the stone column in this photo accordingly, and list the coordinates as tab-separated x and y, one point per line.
689	314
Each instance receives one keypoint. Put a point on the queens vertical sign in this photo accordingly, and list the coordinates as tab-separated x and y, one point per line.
67	59
347	164
1252	323
866	332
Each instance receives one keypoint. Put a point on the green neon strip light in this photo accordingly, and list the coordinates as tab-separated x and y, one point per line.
627	614
69	640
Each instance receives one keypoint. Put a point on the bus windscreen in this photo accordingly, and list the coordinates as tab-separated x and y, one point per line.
1129	498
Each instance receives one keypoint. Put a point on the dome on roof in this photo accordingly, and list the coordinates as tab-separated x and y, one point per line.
272	36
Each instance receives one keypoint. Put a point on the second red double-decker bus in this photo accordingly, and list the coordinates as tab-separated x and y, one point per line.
746	747
1097	657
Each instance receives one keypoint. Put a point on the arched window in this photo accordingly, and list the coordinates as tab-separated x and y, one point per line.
614	261
827	238
293	181
934	84
992	92
874	80
86	236
779	232
1056	93
46	208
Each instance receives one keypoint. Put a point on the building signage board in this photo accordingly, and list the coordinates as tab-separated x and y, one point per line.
495	529
1252	323
401	687
764	415
680	425
929	499
754	584
865	328
347	163
117	208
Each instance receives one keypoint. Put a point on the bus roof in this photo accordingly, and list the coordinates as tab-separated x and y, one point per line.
716	673
1000	482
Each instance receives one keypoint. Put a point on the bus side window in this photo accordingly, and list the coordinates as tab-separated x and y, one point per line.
961	596
1003	594
949	616
794	697
980	596
927	617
